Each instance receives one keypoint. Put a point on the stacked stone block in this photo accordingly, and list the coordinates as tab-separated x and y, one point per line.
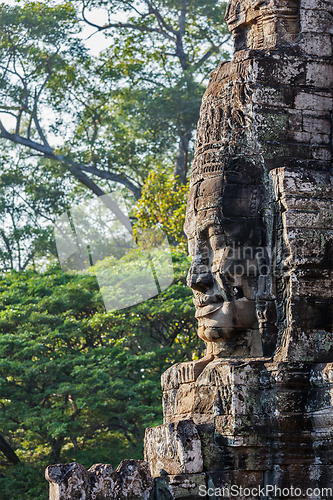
266	119
254	424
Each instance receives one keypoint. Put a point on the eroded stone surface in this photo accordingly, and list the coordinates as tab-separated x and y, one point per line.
262	181
173	448
68	481
134	481
259	214
272	425
102	479
186	487
131	481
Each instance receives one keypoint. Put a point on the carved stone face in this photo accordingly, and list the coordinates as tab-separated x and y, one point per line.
226	242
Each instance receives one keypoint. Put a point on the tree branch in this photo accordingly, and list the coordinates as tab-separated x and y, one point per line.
179	39
118	24
160	20
8	246
206	56
103	174
8	451
76	169
181	29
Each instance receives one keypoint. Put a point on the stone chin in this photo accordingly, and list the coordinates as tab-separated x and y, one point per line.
226	320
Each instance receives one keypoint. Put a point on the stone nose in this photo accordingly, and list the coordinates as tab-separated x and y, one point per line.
200	278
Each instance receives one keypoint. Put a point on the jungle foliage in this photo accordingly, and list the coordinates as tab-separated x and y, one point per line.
78	383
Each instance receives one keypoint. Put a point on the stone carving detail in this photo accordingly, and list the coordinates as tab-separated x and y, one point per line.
260	227
175	448
257	424
263	24
131	481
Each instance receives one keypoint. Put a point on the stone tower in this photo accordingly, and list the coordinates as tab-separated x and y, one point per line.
254	417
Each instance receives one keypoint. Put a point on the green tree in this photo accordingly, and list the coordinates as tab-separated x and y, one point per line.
163	205
74	379
31	197
128	108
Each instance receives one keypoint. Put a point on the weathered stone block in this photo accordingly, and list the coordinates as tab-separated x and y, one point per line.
310	345
241	430
273	97
186	487
321	374
299	137
169	379
169	402
316	44
102	479
282	70
185	400
312	313
209	449
239	484
304	183
316	20
316	125
316	283
174	448
229	372
319	74
319	101
320	139
321	153
68	481
310	247
319	219
207	400
273	126
317	4
133	481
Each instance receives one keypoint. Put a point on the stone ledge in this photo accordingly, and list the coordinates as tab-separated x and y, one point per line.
131	481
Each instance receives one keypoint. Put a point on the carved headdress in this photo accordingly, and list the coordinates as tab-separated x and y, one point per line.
262	24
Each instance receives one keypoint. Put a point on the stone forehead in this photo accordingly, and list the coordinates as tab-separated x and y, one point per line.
232	209
196	220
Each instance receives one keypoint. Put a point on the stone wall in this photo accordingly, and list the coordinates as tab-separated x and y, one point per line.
244	424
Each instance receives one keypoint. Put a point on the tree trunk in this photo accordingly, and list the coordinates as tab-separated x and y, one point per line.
180	168
56	446
8	451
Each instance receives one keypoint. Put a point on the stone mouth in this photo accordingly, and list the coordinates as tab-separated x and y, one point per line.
207	310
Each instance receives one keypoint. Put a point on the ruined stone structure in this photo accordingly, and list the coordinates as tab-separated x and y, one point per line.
254	417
